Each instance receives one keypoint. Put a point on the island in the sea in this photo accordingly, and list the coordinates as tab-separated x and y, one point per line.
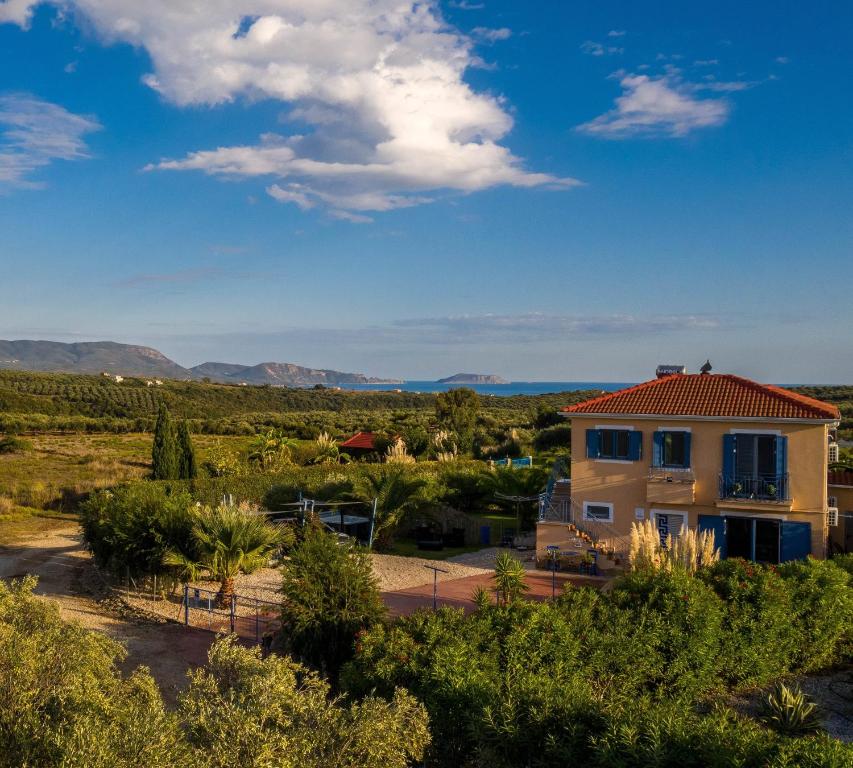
473	378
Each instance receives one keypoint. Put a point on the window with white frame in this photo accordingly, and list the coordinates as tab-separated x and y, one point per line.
598	511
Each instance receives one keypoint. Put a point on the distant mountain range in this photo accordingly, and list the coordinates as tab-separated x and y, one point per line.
132	360
473	378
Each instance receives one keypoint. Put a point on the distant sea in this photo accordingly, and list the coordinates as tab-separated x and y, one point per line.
502	390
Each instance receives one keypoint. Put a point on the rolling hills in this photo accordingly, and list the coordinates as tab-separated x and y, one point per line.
93	357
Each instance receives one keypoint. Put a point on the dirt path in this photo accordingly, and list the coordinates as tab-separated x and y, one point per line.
66	576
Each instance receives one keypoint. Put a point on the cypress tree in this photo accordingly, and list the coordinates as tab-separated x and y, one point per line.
187	468
164	453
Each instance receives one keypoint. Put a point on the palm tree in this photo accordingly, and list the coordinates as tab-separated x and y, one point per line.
509	579
270	448
396	493
518	489
229	540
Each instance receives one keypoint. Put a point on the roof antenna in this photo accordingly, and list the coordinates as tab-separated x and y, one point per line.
706	368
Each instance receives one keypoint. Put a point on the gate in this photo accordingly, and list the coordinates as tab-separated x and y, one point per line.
246	617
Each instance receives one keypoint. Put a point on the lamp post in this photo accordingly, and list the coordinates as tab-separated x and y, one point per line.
435	570
552	550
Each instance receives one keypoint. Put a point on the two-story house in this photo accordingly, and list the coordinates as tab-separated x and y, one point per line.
709	451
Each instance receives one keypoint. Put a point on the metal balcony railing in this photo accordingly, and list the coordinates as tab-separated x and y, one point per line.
755	487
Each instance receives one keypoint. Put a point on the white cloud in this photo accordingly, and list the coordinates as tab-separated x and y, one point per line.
380	84
616	33
17	12
534	326
492	35
352	218
33	133
291	195
781	59
664	106
597	49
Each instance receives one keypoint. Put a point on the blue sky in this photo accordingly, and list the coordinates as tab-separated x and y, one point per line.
542	190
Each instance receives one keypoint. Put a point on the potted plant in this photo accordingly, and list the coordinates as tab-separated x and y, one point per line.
771	490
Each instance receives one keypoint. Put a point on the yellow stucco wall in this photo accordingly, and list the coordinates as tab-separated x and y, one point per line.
842	534
624	484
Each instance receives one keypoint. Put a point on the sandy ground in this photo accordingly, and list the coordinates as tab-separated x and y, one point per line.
485	558
392	572
66	576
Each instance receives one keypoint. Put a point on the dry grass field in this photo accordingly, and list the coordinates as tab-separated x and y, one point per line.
54	470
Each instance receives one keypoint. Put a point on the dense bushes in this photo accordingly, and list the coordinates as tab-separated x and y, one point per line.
329	595
822	611
624	678
65	703
759	639
554	438
131	529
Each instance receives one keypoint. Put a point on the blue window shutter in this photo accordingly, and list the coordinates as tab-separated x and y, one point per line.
796	541
781	455
687	437
716	524
635	445
782	466
592	442
729	456
657	449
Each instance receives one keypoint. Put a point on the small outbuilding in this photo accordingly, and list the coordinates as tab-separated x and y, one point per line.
359	445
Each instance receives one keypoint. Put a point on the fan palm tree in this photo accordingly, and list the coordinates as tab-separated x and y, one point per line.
229	540
396	493
518	490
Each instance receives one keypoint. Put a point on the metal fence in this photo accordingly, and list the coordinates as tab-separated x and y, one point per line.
247	617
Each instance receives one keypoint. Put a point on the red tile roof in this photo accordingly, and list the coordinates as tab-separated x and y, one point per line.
710	394
840	477
364	440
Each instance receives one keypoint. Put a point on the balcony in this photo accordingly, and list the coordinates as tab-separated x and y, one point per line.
670	486
763	489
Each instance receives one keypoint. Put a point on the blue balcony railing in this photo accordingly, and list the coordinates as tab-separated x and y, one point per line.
757	487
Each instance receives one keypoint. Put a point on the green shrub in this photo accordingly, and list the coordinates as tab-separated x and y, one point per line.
131	528
580	681
329	594
759	637
679	630
821	611
467	490
12	444
845	562
558	437
64	701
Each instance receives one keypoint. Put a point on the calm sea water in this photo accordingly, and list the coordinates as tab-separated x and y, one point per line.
504	390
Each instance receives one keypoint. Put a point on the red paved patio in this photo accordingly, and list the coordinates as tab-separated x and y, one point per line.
458	592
